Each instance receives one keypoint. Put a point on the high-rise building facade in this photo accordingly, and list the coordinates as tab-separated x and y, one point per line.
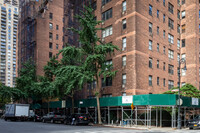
40	31
153	35
8	43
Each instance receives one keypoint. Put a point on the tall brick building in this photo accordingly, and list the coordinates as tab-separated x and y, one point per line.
40	31
153	35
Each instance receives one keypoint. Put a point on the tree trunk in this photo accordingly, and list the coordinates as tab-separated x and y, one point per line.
98	102
72	102
48	105
98	109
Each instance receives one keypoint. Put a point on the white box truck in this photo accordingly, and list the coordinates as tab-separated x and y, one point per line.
16	112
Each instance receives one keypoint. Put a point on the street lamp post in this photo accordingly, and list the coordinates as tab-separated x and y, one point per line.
181	61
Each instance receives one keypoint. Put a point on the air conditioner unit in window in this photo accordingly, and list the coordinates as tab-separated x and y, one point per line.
102	7
123	48
123	12
102	23
102	39
123	85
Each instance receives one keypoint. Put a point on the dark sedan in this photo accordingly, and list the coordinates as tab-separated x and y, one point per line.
195	123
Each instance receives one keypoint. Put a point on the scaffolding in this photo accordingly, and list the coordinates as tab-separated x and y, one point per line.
152	110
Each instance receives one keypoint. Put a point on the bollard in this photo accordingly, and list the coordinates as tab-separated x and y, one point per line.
120	123
112	122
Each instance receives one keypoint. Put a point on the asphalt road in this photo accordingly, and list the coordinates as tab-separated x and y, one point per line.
38	127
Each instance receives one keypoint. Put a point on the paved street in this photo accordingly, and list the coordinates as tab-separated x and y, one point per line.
38	127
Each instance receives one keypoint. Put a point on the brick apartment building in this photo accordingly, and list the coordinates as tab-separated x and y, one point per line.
153	36
40	31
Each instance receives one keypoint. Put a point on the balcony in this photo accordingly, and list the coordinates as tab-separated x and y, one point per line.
3	12
3	23
3	19
3	40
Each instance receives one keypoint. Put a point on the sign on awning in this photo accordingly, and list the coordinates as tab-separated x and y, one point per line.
127	99
195	101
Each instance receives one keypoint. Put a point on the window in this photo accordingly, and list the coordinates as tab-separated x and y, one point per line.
50	35
105	2
163	18
150	63
157	13
178	43
199	27
178	29
123	79
124	23
163	33
123	60
157	63
178	57
183	83
150	10
157	47
171	54
164	66
50	26
199	14
150	45
178	1
157	30
171	69
50	16
92	85
124	6
183	56
171	23
157	80
163	2
107	31
178	14
50	45
57	27
170	8
183	43
56	36
164	82
183	14
150	80
107	14
150	27
170	84
170	38
56	46
183	2
106	82
50	55
123	43
163	49
183	72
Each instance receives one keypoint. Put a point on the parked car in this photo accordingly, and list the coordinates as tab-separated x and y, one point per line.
194	123
37	118
75	119
53	117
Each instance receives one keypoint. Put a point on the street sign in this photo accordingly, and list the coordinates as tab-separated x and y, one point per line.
127	99
195	101
63	103
132	106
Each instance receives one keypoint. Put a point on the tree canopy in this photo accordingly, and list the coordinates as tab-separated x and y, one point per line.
187	90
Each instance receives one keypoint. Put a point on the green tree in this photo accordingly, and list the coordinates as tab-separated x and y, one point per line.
26	81
44	84
89	60
187	90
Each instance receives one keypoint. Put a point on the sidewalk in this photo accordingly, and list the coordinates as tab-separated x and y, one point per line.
153	128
